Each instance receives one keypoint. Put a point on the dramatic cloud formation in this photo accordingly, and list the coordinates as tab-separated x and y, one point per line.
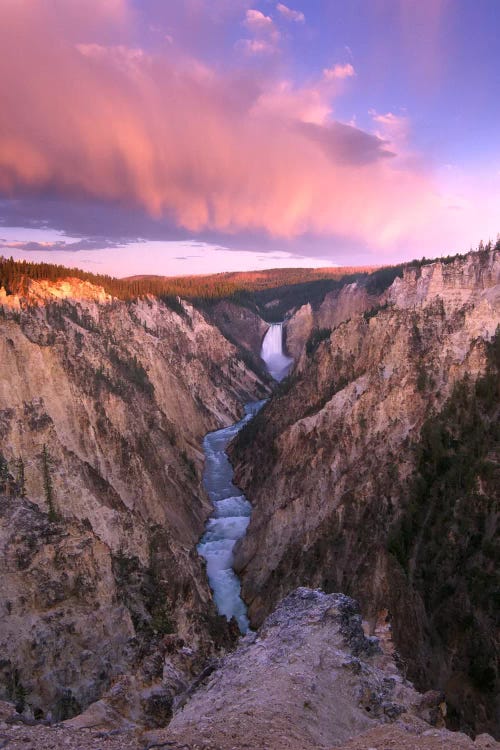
92	119
118	122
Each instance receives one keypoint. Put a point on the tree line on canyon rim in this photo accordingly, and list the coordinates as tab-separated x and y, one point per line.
285	288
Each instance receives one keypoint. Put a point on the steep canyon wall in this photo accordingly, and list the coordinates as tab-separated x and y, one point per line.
342	467
103	406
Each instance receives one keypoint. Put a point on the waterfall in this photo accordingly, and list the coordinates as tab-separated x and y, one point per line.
272	353
231	515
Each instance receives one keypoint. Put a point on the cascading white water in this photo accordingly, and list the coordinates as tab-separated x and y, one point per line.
231	515
228	522
272	353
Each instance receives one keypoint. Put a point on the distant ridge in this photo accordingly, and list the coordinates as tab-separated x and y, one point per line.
263	279
14	275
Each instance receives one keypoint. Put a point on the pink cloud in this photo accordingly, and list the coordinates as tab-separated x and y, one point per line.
258	22
289	14
266	35
286	102
174	136
338	72
393	128
256	46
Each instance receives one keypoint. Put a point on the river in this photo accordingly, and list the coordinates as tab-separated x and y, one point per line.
231	514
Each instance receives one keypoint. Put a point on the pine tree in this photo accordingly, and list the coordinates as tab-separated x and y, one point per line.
20	477
4	472
47	483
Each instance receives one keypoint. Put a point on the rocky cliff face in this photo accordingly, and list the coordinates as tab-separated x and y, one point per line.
333	466
245	329
338	306
103	405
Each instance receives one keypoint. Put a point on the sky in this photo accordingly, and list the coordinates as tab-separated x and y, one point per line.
194	136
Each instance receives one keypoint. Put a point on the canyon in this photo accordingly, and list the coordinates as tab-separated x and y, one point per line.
107	620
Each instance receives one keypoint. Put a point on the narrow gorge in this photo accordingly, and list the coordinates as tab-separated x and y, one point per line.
231	516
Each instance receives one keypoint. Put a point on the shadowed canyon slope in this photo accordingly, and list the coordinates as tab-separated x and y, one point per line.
345	468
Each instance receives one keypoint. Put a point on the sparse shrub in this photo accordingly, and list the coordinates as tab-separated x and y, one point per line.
317	336
374	311
189	463
421	379
132	370
4	472
161	619
18	692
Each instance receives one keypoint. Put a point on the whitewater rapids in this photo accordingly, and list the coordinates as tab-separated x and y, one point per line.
228	522
231	514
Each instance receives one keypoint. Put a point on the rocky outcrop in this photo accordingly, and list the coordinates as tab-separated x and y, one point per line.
351	297
40	291
309	678
61	613
330	465
103	406
348	302
297	330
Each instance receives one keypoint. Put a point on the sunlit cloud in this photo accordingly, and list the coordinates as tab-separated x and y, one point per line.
258	23
284	101
266	36
93	116
255	46
339	72
394	129
289	14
